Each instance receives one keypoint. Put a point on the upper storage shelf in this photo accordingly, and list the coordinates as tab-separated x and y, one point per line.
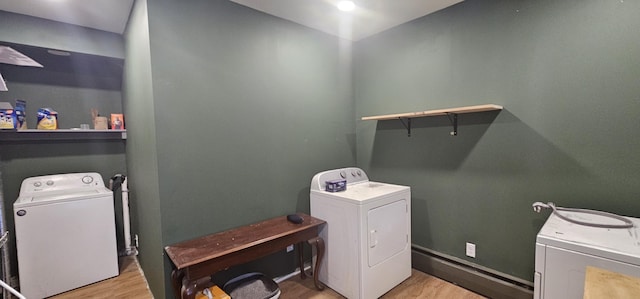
452	113
64	68
77	135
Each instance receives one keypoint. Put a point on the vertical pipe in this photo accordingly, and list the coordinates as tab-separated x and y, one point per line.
125	217
126	222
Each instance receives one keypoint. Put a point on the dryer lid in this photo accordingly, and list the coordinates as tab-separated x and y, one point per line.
60	188
61	183
365	191
613	243
42	199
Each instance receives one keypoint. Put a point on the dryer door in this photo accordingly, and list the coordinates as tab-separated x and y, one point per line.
388	230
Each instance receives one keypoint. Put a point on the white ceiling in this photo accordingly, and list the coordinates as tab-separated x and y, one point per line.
369	17
106	15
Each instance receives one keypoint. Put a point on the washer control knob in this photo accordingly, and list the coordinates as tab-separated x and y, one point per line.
49	183
359	173
87	179
37	184
353	173
343	174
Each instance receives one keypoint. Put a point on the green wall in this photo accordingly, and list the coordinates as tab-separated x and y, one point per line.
246	109
566	73
141	148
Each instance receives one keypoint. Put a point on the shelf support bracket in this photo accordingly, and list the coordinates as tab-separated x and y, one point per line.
406	125
453	118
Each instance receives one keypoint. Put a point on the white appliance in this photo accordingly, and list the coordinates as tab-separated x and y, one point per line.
65	233
367	236
565	249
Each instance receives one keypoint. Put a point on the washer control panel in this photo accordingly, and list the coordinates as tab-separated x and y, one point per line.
61	182
353	173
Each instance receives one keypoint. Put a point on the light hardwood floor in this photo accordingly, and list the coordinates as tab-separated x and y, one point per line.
419	286
131	283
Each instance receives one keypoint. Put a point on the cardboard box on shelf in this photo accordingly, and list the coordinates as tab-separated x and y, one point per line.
100	123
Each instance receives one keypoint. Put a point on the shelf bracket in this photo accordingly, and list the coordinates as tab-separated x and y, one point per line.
407	125
453	118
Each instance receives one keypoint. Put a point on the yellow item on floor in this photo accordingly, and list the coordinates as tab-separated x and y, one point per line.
213	292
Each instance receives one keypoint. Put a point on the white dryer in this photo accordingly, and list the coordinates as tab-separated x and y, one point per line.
367	236
65	233
565	249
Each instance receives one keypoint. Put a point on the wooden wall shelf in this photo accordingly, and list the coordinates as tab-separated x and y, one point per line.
452	113
457	110
44	135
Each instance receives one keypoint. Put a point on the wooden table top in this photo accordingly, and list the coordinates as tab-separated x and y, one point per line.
600	283
194	251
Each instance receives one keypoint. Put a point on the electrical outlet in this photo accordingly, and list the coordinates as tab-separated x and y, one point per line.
289	248
471	250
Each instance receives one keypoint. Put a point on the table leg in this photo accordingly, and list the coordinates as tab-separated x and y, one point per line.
319	244
176	281
300	248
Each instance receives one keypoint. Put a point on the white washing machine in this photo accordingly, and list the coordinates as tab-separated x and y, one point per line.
65	233
367	236
565	249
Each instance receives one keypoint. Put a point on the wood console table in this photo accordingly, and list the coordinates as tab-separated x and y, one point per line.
197	259
601	283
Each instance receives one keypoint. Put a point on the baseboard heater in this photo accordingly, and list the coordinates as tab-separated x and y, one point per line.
485	282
